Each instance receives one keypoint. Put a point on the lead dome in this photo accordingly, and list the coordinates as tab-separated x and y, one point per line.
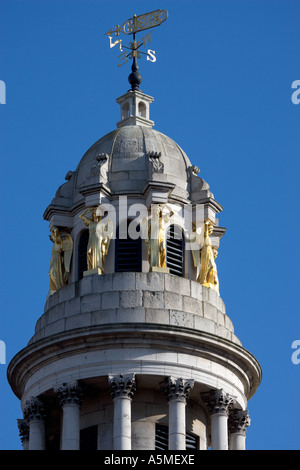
125	160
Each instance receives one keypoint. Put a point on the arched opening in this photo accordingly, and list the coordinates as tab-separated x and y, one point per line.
128	251
142	109
125	111
175	250
82	253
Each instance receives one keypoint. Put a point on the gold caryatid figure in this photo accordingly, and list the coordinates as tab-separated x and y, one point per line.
208	270
60	260
100	235
157	225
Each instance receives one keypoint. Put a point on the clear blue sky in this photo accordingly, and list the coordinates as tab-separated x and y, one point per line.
222	88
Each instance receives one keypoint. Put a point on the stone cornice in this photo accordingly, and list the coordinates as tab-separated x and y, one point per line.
183	340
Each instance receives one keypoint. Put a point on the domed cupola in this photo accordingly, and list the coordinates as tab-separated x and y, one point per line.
130	160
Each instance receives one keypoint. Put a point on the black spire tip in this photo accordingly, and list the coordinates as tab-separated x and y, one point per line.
135	78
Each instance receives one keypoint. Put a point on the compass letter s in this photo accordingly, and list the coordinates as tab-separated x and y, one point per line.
151	55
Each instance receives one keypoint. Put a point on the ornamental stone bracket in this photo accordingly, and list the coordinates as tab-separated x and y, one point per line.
154	159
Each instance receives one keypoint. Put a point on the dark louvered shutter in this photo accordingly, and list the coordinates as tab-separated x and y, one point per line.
162	439
128	254
175	250
82	253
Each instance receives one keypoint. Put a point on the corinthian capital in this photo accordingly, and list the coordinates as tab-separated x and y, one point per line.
23	430
238	421
122	385
34	409
69	393
178	388
218	401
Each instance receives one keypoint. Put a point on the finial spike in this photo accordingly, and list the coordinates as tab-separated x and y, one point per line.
135	78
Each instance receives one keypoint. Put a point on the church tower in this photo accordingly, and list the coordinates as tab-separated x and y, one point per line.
134	349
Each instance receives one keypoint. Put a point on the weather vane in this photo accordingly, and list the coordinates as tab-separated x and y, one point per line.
133	26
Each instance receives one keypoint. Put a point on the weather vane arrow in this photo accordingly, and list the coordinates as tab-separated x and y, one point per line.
133	26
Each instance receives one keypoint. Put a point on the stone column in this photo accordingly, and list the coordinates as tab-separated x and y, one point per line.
122	388
238	422
218	403
34	413
177	391
70	397
23	433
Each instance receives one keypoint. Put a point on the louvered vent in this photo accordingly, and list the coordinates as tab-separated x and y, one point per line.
82	255
162	439
128	254
175	250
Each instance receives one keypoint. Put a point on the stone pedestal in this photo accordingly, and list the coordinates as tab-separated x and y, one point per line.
92	271
157	269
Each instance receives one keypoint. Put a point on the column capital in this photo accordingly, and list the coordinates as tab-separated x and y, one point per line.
122	385
178	388
238	421
218	401
69	393
34	410
23	430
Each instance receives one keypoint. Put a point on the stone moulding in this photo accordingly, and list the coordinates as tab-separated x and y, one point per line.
202	347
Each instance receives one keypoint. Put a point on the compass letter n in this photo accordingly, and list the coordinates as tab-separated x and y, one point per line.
113	44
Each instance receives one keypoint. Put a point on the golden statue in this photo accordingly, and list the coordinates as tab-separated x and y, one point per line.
157	235
208	270
100	235
60	260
